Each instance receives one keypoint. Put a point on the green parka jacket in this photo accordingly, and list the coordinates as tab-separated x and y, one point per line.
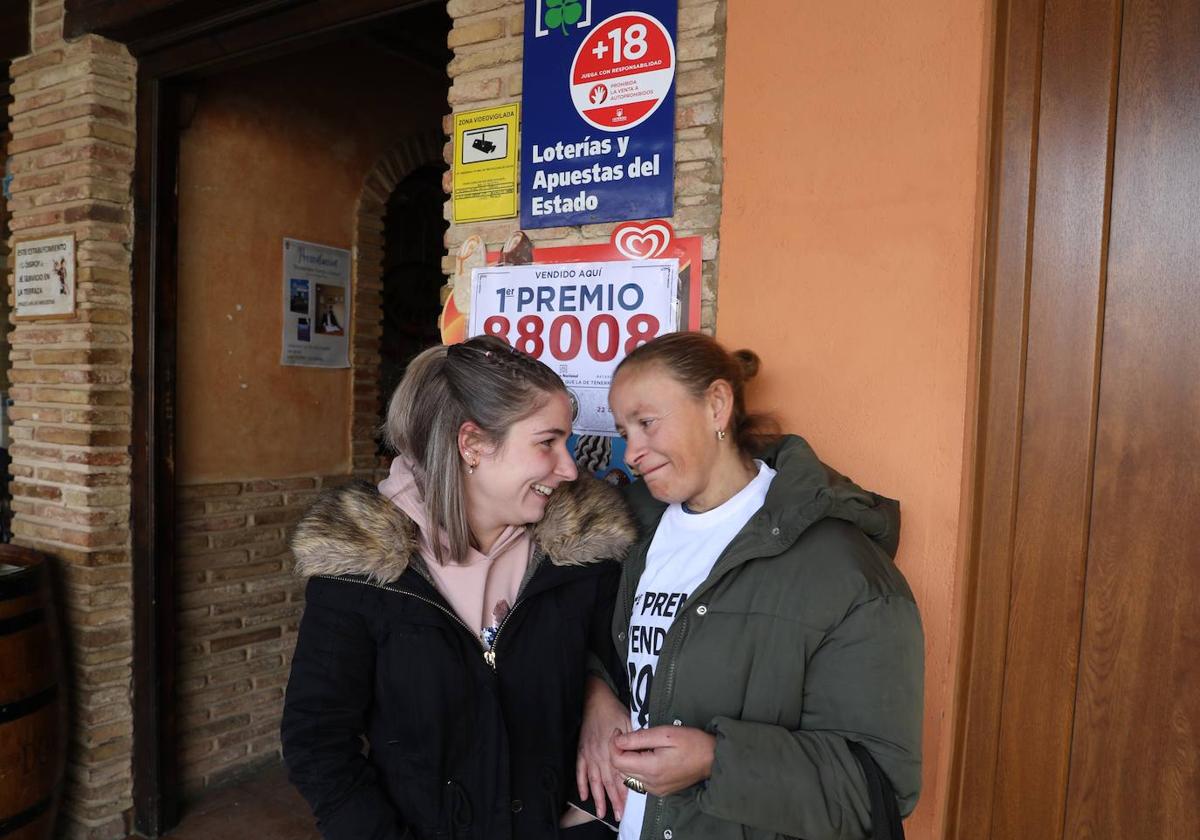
804	636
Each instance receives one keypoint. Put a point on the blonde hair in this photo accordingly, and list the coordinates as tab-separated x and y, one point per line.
482	380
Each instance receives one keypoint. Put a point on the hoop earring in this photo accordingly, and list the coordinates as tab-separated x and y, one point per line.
720	434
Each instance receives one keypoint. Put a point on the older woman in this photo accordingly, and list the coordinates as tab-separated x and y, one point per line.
773	649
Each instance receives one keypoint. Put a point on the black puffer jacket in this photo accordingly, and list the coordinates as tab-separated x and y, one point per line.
456	747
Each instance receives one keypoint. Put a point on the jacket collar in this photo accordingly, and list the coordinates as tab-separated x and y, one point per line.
803	492
353	530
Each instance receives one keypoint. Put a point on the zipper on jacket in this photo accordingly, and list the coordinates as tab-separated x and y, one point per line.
669	683
667	689
489	656
624	595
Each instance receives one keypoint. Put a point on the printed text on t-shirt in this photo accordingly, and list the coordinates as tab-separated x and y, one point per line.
647	639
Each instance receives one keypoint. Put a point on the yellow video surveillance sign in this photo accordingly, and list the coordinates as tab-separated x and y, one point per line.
485	163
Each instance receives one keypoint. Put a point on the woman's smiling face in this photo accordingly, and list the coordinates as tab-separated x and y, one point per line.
511	483
670	435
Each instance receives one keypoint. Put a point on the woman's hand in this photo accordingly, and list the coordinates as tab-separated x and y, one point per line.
666	759
604	716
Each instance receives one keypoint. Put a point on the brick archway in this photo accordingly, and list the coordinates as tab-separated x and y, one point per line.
406	156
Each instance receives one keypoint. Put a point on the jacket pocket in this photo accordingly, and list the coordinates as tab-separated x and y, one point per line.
414	788
457	810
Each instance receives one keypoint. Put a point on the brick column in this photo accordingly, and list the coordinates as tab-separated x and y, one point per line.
5	101
72	160
487	39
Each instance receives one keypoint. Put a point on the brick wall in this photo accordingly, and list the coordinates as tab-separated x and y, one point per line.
5	136
72	158
486	70
240	607
5	101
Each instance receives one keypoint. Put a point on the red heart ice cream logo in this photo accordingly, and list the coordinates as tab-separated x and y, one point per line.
642	242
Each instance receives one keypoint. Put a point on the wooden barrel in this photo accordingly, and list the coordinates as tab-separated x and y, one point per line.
33	736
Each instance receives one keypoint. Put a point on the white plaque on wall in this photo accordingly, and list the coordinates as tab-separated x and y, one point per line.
44	277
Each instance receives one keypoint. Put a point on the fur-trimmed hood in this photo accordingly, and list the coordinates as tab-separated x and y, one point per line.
353	530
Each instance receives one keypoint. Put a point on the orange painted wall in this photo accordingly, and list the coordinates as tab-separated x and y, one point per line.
854	154
279	149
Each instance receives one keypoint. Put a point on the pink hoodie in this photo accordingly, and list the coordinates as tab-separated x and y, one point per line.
480	587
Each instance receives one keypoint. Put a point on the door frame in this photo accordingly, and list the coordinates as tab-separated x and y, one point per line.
173	42
1004	329
1003	312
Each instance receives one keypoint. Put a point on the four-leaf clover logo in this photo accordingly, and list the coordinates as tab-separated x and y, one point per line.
562	13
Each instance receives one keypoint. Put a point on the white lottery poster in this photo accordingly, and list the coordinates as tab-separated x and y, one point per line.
581	319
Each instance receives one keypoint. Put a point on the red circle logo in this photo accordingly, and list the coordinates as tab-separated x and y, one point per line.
631	58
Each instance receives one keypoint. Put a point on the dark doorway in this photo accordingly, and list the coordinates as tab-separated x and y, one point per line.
412	274
275	156
14	42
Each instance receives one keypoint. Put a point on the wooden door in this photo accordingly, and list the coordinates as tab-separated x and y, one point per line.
1079	703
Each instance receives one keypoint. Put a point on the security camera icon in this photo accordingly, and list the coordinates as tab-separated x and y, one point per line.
482	144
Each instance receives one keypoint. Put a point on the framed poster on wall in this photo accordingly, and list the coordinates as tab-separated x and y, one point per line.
316	305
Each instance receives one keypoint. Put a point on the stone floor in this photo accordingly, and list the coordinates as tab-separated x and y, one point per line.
264	807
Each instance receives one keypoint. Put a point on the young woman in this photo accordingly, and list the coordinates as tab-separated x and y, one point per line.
437	685
766	630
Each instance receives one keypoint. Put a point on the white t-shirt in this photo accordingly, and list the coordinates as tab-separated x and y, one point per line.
682	553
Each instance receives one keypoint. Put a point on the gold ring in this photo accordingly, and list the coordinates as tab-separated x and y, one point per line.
635	785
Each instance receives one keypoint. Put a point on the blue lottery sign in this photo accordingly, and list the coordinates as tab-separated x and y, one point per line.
598	112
